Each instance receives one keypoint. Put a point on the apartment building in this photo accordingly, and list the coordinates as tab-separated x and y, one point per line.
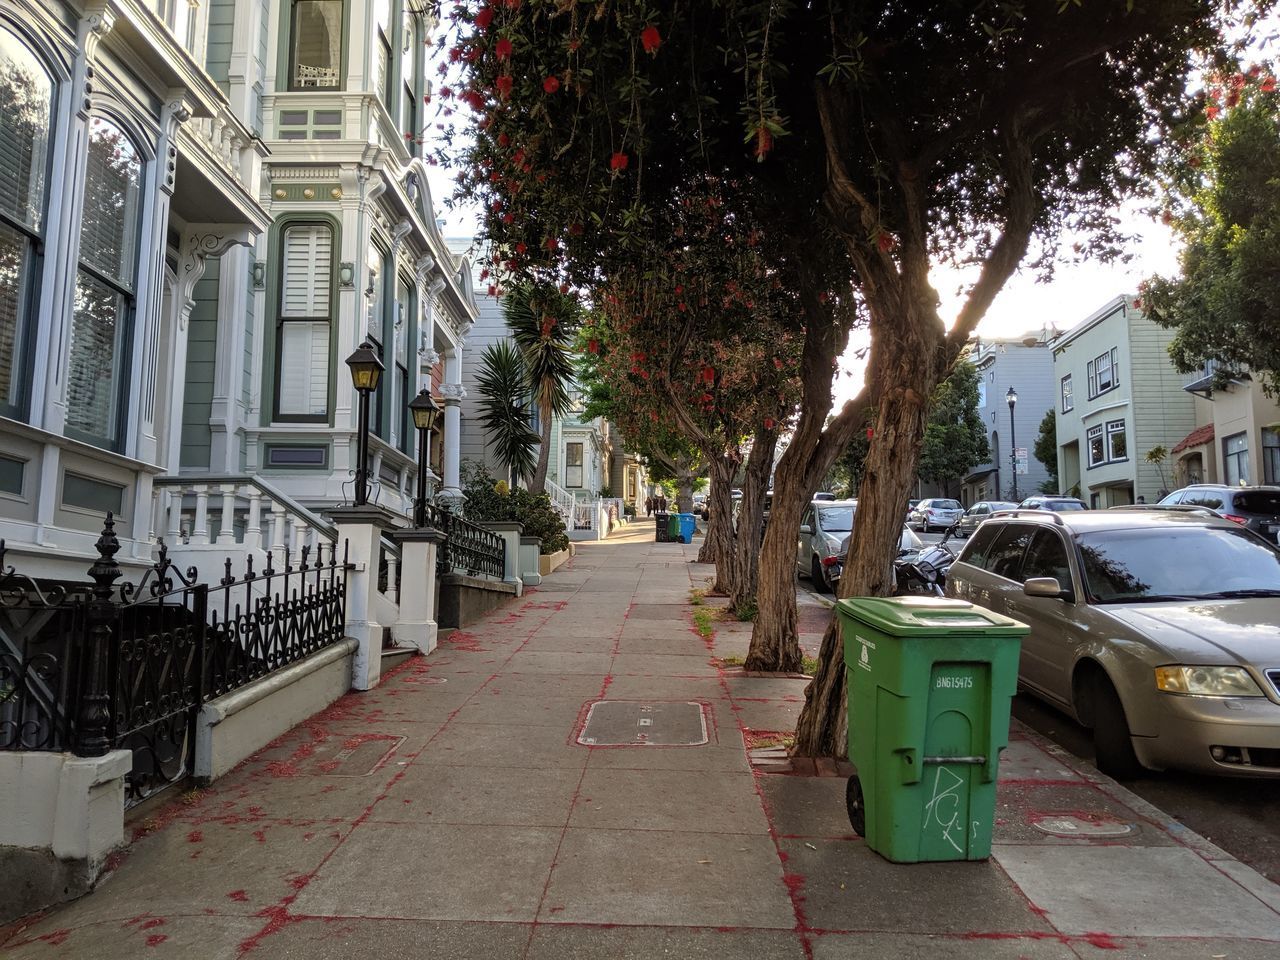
1118	398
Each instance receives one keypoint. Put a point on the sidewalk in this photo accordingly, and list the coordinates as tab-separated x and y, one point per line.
452	813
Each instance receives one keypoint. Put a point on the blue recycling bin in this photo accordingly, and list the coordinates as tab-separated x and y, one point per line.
688	523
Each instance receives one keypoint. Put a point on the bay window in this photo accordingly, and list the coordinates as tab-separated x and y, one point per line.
404	338
26	112
105	296
1097	447
382	36
305	320
1117	441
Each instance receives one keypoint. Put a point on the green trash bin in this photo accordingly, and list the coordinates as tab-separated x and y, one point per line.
673	528
929	681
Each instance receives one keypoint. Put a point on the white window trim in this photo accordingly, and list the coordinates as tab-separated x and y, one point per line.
1090	435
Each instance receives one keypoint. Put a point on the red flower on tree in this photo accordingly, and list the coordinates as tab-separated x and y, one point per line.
768	423
650	39
521	248
484	17
502	49
551	84
619	161
504	84
886	242
1268	85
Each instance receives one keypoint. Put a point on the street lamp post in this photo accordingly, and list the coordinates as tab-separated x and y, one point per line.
425	410
1012	399
366	370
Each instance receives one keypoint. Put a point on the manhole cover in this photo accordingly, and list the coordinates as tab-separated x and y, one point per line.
1068	826
635	723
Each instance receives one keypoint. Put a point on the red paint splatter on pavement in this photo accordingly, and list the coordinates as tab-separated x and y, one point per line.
156	939
282	769
153	923
195	836
260	836
57	938
239	896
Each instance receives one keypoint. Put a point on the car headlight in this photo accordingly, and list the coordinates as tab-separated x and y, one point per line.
1207	681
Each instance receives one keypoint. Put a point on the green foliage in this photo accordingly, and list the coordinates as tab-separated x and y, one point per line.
486	501
1046	449
955	438
544	324
505	413
1226	193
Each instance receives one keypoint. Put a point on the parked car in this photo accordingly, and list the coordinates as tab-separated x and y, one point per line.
825	526
1257	508
911	506
1155	628
1056	504
935	512
980	511
824	495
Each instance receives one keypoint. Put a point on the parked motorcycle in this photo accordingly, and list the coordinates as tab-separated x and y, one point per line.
924	573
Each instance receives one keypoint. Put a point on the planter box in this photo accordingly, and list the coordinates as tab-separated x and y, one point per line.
547	562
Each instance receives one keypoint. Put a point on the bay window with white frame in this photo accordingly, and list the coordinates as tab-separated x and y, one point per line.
304	327
27	93
105	295
315	44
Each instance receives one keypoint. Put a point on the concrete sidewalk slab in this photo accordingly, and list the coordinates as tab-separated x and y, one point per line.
452	812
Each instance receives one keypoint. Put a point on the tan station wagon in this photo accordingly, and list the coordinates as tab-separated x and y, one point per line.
1158	630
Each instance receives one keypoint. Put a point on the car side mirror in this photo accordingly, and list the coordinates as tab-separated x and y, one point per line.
1047	587
805	528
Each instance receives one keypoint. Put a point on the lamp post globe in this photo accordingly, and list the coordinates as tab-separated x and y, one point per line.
1011	398
425	412
366	370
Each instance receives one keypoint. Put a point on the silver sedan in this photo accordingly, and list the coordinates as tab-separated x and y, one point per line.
1158	630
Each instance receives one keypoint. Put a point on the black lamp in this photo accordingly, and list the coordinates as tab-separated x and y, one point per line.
425	412
1011	398
366	371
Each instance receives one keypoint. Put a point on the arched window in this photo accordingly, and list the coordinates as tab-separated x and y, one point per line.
26	112
104	306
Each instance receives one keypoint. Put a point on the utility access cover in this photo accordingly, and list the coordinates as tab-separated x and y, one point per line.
1065	825
644	723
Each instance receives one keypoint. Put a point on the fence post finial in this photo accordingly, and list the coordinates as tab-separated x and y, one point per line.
94	722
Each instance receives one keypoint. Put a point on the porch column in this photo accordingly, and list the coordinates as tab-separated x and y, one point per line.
453	393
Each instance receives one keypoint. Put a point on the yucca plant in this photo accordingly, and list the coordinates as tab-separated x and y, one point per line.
543	326
505	409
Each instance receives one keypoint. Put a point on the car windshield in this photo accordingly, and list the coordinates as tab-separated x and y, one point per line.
1063	505
945	505
1259	501
836	519
1177	563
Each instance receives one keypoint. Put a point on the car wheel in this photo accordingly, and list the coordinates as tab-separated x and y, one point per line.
818	576
1112	742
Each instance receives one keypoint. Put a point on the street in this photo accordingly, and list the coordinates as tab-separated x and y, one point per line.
1236	814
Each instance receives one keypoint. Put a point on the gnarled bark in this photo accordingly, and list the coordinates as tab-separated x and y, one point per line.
746	547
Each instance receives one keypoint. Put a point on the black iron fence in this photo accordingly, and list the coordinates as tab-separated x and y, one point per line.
467	547
94	667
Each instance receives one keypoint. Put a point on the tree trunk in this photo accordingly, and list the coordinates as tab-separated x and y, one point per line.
539	482
882	501
719	543
774	644
684	486
719	506
746	547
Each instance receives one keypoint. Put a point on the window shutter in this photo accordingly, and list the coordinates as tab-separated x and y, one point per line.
305	275
304	368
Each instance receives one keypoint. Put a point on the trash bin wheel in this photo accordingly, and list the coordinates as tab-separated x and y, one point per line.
856	806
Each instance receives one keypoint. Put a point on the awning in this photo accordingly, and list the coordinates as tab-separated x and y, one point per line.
1196	438
978	474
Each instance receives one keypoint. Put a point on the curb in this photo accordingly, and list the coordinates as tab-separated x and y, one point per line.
1240	872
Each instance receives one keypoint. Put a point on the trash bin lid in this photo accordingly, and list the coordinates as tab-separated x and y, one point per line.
926	616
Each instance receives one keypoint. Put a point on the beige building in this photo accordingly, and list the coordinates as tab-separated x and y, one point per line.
1118	397
1238	437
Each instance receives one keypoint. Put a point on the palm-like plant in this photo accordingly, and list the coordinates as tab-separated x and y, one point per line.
543	326
505	410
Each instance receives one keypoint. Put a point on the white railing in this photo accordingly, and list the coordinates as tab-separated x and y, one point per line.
224	511
586	515
564	502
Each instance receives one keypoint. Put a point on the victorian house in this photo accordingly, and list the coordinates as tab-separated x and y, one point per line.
205	209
